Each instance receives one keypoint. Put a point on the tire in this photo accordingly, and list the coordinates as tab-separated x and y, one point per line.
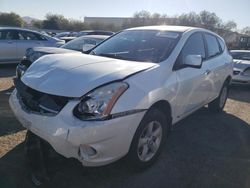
147	145
218	104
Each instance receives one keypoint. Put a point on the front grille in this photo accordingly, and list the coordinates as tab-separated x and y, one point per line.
37	102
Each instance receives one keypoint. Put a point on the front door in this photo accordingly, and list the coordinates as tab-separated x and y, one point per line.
193	83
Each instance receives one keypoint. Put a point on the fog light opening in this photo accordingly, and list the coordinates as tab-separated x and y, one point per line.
86	152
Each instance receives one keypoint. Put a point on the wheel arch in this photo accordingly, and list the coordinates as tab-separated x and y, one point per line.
165	107
228	79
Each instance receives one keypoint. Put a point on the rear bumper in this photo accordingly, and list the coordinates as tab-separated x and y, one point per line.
67	135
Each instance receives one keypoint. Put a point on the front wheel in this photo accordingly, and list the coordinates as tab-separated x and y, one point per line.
148	139
218	104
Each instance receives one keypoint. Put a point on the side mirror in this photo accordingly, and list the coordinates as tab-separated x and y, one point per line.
87	47
193	61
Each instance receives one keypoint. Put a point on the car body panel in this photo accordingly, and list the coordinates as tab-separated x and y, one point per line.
13	50
34	53
23	45
51	72
53	50
65	133
241	63
8	51
74	75
163	84
239	67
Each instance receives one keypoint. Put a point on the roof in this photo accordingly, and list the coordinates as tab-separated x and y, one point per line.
164	27
20	29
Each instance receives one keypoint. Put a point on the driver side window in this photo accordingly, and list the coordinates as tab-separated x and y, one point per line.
193	46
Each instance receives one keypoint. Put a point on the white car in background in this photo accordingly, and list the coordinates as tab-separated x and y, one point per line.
125	96
15	41
241	73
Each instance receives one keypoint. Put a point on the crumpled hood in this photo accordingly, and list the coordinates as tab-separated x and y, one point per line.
73	75
241	64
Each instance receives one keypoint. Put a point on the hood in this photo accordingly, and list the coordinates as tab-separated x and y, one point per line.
241	64
53	50
73	75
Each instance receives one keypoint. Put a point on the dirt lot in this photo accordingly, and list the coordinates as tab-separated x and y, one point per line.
205	151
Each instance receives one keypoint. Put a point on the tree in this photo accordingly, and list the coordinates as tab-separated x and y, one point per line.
142	14
230	26
209	20
11	19
189	19
144	18
246	30
76	25
55	21
37	24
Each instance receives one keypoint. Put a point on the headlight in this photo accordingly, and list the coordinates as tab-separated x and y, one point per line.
98	103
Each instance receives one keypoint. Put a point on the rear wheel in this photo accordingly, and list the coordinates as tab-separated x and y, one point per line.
148	139
218	104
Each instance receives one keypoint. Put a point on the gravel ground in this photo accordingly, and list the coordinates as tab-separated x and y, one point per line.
205	151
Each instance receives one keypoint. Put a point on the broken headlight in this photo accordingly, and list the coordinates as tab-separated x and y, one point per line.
98	103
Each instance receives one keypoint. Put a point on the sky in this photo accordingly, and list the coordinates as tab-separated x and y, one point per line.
238	11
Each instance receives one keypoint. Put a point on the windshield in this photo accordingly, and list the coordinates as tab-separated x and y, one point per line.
139	45
241	55
77	44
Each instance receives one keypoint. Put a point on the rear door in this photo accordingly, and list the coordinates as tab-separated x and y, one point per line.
193	83
8	46
27	40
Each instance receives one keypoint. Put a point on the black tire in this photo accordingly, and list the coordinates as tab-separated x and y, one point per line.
217	105
159	119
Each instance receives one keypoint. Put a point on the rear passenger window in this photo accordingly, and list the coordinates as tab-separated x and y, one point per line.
23	35
193	46
212	45
7	35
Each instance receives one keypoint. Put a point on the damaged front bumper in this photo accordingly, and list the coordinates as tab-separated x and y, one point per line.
94	143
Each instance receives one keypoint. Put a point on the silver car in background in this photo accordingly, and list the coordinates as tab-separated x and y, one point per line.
15	41
81	44
241	73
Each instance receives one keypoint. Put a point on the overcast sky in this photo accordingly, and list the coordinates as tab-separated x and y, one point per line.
238	11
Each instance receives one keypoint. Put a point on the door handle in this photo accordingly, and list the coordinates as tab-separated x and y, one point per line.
207	72
10	42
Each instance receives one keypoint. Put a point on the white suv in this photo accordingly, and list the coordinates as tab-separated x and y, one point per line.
124	97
